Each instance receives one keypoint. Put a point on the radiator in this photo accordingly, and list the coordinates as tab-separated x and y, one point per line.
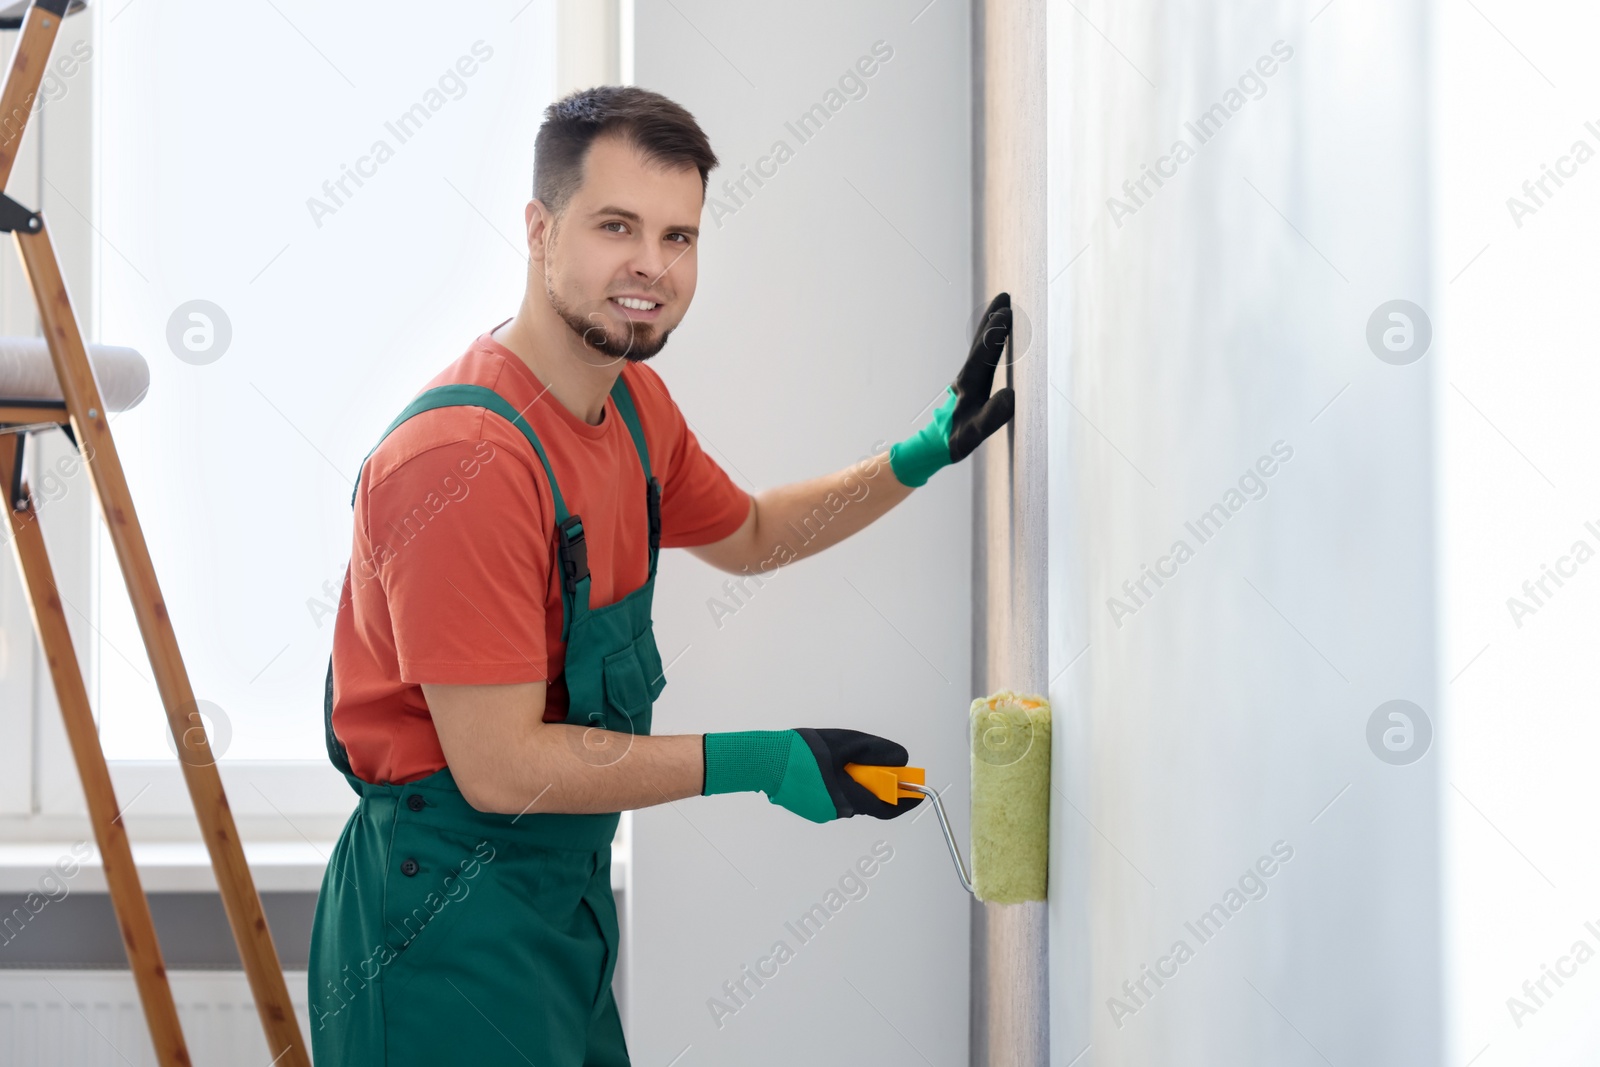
83	1018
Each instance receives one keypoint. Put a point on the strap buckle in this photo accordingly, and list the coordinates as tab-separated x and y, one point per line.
653	502
573	553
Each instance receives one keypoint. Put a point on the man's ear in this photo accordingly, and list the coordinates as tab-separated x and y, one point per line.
541	225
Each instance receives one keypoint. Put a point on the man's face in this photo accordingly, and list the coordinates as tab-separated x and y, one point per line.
629	233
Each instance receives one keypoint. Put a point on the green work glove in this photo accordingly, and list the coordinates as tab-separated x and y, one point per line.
968	414
803	770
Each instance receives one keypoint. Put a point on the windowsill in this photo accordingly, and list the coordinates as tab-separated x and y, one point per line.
185	867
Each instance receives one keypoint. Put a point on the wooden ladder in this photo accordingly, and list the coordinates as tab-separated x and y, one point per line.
82	415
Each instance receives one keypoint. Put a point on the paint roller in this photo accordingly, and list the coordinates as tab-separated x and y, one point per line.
1010	742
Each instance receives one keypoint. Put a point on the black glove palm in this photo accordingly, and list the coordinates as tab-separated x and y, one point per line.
834	748
968	414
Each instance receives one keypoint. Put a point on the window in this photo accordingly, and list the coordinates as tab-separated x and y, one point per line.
303	213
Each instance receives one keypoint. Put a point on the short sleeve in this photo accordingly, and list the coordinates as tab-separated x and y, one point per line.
700	504
459	539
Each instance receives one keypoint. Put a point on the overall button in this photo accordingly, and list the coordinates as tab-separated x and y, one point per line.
409	868
415	802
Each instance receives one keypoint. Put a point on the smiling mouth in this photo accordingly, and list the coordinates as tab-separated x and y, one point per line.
634	303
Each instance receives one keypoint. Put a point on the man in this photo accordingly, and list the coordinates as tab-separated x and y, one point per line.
489	693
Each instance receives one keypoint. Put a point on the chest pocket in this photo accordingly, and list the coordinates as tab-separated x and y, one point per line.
633	678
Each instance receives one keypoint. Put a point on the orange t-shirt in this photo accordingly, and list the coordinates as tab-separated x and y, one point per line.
452	575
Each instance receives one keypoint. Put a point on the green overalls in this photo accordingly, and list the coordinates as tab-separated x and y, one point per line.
447	935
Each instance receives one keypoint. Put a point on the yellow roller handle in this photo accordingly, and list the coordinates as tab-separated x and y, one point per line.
884	782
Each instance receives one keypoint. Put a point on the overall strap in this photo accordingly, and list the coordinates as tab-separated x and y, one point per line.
630	418
571	550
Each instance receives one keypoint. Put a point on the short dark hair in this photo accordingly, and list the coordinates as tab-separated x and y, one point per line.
662	131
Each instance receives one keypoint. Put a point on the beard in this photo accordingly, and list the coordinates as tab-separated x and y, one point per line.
635	342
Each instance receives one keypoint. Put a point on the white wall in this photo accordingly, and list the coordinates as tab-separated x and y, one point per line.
833	306
1517	409
1228	313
